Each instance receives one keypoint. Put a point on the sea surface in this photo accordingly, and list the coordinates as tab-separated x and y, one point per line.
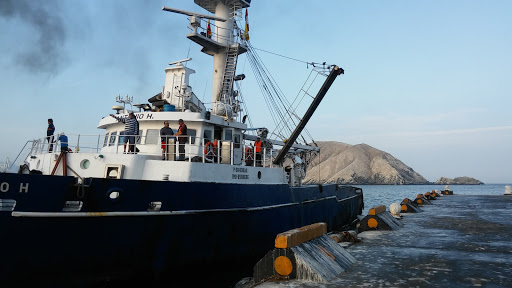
375	195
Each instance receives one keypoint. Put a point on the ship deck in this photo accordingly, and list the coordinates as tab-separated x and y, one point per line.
458	241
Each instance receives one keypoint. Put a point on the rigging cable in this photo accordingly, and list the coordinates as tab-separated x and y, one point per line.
271	83
294	59
281	126
279	106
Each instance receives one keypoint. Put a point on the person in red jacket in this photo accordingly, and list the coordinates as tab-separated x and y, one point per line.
258	152
182	139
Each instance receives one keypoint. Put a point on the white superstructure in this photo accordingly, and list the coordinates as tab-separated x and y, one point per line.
106	155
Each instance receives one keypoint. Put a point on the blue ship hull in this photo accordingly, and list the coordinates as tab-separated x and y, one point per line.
215	232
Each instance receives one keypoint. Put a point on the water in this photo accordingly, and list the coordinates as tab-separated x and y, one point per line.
385	195
375	195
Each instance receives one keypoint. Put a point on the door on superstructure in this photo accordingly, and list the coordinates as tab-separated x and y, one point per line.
237	148
231	141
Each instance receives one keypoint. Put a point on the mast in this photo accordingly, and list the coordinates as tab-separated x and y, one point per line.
222	45
318	98
224	30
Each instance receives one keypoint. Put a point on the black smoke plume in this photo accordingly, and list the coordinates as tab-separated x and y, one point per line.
47	55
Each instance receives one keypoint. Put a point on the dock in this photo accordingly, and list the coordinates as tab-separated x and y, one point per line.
458	241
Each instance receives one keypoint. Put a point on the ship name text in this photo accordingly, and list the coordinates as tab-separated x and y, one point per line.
4	187
239	173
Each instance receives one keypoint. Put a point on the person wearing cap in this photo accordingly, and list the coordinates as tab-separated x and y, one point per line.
257	150
131	128
63	142
182	139
49	134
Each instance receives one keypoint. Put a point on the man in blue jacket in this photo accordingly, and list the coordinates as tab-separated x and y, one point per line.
63	143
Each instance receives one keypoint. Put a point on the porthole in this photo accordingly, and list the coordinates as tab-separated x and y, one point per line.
259	174
85	164
113	195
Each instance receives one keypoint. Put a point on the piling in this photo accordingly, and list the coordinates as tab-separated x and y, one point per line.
306	253
447	190
408	206
421	200
508	191
429	196
436	194
378	219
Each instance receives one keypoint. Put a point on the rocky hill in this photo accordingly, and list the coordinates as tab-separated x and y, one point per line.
458	181
358	164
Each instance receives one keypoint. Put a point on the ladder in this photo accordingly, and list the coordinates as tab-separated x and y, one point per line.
62	157
229	74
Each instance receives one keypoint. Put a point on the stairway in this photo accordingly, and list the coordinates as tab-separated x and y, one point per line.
229	74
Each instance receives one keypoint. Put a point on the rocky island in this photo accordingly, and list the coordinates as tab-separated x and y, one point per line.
458	181
358	164
362	164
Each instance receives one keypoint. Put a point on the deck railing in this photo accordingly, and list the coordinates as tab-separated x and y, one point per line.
234	154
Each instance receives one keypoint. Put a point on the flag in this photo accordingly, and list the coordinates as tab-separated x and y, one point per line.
209	30
246	33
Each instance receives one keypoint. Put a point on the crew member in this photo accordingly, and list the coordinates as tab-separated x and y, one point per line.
182	139
63	143
49	134
257	149
165	132
131	128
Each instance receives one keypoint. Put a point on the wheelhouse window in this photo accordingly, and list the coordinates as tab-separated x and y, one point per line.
113	136
152	136
138	137
228	134
192	134
207	134
105	141
121	138
237	141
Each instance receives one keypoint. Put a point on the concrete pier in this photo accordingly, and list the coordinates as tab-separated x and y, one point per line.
458	241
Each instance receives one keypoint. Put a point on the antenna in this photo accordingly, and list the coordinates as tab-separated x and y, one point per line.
126	100
193	14
180	61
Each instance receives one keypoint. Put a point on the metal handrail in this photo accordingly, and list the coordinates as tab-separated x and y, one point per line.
93	144
22	149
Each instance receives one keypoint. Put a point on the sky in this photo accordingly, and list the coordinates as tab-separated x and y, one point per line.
426	81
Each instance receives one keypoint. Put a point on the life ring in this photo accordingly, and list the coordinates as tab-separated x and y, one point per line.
249	155
209	150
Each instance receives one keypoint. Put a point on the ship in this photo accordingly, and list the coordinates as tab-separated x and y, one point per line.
88	211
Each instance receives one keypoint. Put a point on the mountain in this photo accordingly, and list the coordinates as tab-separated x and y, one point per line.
358	164
458	181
